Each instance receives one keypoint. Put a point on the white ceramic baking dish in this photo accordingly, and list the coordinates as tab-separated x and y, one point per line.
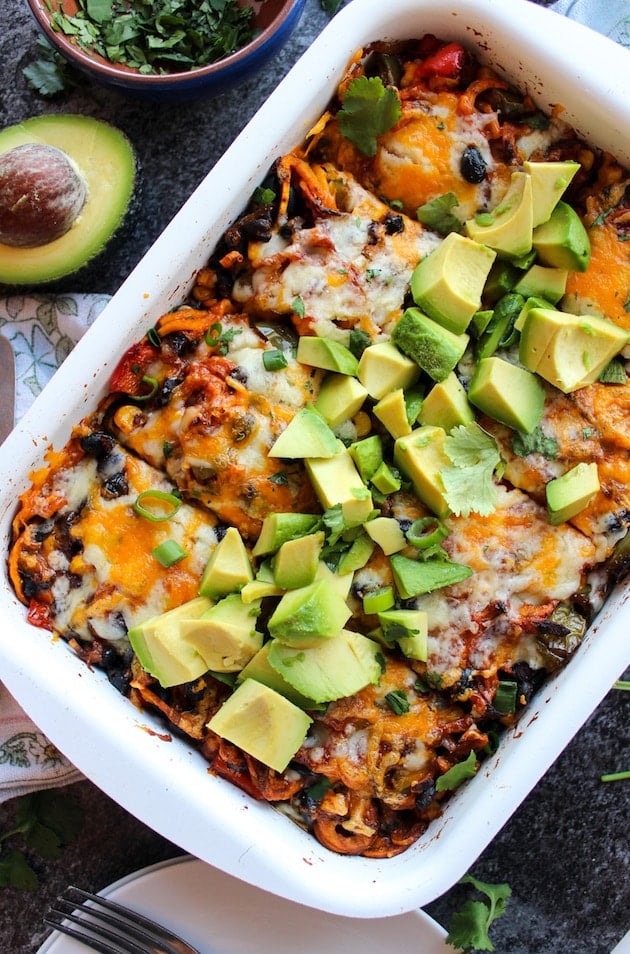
165	783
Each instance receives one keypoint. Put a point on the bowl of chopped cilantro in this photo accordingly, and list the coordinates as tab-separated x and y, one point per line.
167	49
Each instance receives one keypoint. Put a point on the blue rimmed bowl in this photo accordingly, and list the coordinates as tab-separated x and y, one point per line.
273	23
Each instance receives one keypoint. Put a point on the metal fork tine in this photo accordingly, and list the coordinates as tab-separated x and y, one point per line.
124	924
89	934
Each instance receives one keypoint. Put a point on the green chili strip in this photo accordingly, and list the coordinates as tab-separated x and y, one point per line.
158	497
168	553
426	532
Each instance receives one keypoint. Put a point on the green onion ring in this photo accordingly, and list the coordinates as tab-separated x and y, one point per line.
161	495
426	532
153	386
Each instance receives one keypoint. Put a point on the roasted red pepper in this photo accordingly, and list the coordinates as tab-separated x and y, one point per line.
448	61
127	377
39	615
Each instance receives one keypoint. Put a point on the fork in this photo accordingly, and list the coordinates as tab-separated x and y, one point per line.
109	927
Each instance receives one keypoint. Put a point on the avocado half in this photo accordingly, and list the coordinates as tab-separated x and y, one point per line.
106	160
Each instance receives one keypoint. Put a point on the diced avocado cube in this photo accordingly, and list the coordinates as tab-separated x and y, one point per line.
549	182
340	398
530	303
277	528
386	531
562	241
414	577
385	480
572	492
569	351
542	282
225	636
367	455
228	568
434	348
326	354
336	480
307	615
446	405
258	590
508	228
334	669
382	368
295	563
391	411
262	723
259	668
306	435
357	556
341	581
409	629
422	458
448	283
160	649
507	393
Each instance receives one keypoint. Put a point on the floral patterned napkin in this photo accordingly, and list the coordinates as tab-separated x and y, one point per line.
42	330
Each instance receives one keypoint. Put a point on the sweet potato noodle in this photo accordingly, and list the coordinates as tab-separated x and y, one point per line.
326	248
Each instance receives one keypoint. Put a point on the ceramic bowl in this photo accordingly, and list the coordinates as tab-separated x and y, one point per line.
165	782
273	22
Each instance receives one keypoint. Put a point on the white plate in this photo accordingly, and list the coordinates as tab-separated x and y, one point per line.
218	914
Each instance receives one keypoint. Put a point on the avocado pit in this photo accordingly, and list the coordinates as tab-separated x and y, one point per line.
41	195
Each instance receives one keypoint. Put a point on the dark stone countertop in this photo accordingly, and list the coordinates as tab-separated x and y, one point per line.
565	850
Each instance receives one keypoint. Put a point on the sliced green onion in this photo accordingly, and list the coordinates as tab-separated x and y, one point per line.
274	360
622	684
379	600
505	696
169	502
615	777
426	532
154	337
168	553
153	386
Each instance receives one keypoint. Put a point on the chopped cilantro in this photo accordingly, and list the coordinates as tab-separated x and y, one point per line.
217	336
359	340
613	373
50	74
469	926
159	37
397	701
369	109
298	306
457	774
535	443
438	214
469	480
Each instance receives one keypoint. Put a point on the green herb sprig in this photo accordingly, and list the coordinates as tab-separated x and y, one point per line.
470	926
44	823
158	36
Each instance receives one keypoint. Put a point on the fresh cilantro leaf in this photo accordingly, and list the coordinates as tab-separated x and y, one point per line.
469	483
438	214
45	821
470	926
15	872
535	443
369	109
613	373
298	306
50	74
457	774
